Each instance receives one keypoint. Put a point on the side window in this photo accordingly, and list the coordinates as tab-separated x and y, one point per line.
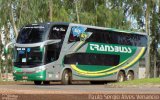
107	38
97	59
78	33
111	37
132	39
52	52
88	34
97	35
143	40
73	38
127	39
58	32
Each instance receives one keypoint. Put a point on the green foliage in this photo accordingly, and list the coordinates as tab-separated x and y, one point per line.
94	12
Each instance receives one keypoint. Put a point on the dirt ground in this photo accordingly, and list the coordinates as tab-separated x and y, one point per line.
79	91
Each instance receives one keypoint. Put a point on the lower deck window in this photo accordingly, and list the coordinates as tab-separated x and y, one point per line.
92	59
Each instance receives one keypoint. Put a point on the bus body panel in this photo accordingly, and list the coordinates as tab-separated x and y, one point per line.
128	56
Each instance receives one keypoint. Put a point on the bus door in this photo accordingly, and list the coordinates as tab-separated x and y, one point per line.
53	50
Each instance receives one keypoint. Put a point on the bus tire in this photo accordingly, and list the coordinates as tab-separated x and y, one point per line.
46	82
37	82
130	76
66	77
121	76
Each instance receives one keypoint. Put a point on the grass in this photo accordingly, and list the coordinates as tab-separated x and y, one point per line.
138	82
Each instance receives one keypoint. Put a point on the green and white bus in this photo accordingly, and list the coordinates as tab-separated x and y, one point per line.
69	52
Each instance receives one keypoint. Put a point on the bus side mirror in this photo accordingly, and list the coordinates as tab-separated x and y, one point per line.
7	46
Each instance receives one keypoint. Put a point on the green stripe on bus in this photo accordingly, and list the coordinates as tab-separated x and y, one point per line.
90	73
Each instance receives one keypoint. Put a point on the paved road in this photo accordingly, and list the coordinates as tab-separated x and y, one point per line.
74	89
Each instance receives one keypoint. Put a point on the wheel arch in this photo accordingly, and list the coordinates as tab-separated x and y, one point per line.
122	70
66	68
66	78
130	71
132	75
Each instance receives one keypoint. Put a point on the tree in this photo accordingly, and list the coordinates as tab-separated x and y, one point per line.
1	46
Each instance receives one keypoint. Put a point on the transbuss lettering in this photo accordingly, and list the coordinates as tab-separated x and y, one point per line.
108	48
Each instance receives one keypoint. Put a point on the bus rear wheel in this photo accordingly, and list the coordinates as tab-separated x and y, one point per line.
121	77
37	82
66	77
130	76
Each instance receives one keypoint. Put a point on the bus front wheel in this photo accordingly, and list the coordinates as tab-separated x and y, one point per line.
37	82
66	77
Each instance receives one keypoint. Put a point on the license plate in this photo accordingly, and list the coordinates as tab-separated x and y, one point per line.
25	77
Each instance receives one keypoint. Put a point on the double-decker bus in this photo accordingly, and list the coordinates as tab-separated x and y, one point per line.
68	52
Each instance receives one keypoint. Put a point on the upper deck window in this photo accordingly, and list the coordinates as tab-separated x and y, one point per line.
113	37
32	34
58	32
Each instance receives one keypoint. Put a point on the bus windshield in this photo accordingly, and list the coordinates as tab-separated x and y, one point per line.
28	56
32	34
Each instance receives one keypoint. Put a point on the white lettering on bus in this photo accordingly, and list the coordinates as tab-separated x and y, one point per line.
109	48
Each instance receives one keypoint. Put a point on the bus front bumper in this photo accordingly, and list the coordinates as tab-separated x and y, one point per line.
41	76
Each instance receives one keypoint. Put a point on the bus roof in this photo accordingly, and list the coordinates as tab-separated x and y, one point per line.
50	23
90	26
109	29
